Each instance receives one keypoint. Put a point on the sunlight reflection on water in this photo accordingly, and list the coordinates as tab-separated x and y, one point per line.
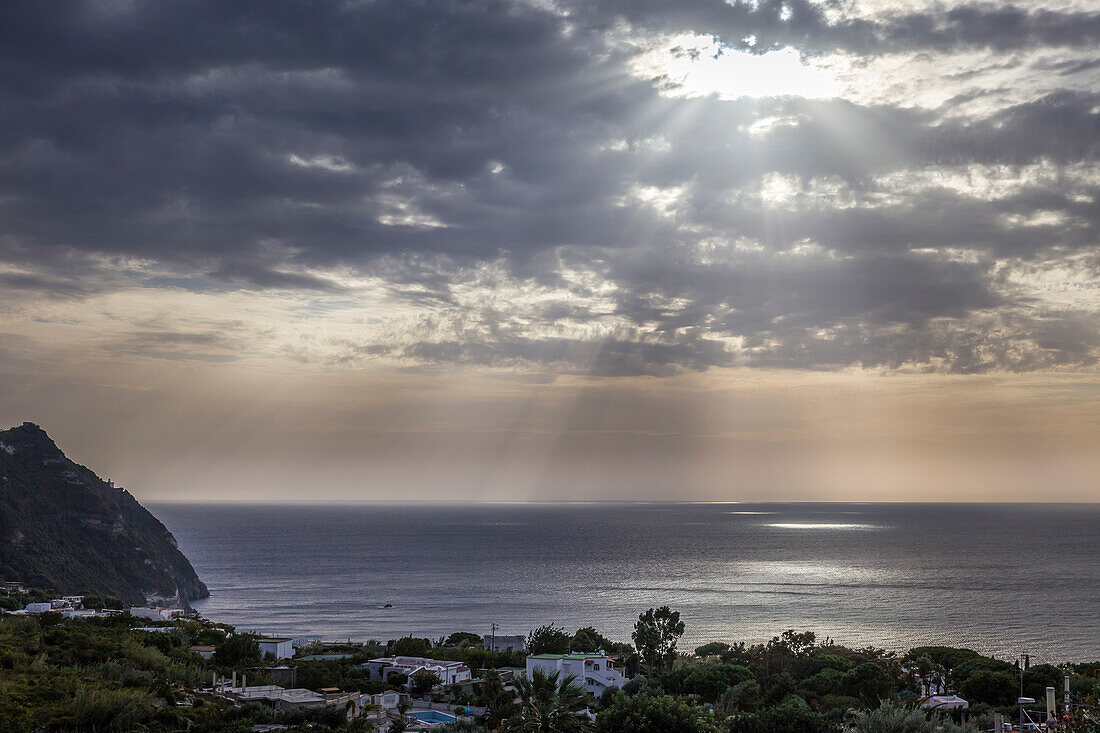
905	575
824	525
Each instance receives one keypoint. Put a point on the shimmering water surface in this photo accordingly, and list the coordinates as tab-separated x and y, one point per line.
1003	579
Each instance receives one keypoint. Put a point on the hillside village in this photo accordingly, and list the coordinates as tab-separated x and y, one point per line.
168	666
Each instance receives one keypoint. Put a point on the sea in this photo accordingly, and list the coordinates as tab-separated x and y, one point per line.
1003	579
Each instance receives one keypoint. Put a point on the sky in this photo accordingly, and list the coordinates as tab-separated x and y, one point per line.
556	249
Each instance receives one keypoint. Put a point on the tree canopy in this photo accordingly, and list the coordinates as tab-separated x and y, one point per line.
548	640
655	636
590	640
463	638
237	650
423	681
651	714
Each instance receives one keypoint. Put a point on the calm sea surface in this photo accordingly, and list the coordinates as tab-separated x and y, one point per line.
1001	579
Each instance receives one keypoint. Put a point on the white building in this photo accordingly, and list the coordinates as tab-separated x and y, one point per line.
386	700
64	608
277	647
449	673
80	613
157	614
57	604
279	698
595	672
944	702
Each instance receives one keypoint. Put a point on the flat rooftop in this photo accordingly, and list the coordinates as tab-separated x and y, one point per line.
416	661
575	655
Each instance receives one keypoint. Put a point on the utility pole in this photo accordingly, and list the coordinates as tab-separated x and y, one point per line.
1025	661
1021	700
493	644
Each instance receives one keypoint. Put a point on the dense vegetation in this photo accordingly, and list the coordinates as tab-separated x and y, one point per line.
64	528
106	675
791	684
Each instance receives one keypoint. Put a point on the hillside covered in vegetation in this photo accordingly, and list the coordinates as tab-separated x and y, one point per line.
64	528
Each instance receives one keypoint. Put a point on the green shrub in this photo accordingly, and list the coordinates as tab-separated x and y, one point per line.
108	710
651	714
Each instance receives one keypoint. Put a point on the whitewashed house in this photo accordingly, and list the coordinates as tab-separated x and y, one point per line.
388	700
157	614
944	702
80	613
57	604
594	672
279	648
279	698
449	673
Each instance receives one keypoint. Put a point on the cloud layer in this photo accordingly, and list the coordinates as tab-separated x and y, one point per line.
609	188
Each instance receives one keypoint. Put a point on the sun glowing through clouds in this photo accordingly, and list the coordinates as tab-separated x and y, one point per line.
550	249
692	65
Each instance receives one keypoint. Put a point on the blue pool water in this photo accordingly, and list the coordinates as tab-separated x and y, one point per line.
431	716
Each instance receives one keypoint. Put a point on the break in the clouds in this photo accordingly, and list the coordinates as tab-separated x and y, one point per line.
611	188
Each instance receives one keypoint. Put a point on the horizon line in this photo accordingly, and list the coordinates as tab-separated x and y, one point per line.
582	502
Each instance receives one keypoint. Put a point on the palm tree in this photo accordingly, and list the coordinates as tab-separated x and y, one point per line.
549	705
492	689
499	703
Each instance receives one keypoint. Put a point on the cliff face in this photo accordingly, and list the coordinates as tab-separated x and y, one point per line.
64	528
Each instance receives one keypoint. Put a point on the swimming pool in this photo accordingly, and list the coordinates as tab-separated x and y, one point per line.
431	716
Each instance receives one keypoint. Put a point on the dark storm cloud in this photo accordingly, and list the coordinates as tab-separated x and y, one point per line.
258	145
34	282
258	276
